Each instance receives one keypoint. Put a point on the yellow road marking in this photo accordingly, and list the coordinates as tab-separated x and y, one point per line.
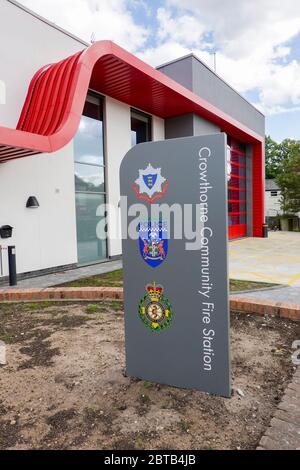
276	280
277	258
294	279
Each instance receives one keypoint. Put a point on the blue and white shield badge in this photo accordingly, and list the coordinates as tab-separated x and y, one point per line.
150	185
153	240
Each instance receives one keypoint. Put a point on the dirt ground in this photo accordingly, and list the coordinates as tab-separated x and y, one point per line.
64	386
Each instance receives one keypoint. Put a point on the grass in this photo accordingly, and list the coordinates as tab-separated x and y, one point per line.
92	308
148	384
185	426
6	338
238	285
37	305
112	279
115	279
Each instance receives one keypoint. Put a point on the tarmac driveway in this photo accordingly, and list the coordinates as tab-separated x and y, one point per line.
275	259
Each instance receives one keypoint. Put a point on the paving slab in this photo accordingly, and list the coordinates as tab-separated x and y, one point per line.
285	294
275	259
284	430
50	280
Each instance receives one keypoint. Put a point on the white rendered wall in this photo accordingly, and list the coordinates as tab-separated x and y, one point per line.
118	142
26	44
44	237
158	128
2	92
272	204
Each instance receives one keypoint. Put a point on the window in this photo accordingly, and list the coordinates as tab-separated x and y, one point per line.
141	127
274	193
90	181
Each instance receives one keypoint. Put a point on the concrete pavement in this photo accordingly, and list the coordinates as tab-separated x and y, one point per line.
69	275
280	294
275	259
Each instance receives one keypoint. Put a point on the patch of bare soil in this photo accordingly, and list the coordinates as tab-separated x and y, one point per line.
64	386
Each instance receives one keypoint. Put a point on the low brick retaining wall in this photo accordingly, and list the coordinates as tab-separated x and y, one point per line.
265	307
237	303
61	293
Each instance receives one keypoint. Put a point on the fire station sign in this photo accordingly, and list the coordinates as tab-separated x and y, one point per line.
174	230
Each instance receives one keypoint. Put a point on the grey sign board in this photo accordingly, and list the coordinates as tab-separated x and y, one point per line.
176	287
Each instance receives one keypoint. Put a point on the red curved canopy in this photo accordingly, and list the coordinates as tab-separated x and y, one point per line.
52	110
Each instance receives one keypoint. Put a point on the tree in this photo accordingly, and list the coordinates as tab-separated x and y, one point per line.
276	154
288	177
271	157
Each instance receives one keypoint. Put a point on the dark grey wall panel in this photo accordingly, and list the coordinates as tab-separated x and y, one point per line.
180	71
210	87
180	126
188	125
204	127
196	76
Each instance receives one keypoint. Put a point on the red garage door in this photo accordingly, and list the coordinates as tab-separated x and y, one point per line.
237	199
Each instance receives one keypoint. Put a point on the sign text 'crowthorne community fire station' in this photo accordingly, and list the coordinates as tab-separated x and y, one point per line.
174	223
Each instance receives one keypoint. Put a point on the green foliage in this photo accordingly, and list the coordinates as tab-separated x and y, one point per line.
271	158
277	155
185	425
92	308
111	279
289	180
37	305
238	285
148	384
283	164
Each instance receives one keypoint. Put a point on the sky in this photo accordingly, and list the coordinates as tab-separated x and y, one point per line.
257	42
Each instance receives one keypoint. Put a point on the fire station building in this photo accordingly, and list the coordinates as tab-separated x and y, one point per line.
70	111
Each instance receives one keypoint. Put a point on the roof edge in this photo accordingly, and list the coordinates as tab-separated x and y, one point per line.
85	43
15	143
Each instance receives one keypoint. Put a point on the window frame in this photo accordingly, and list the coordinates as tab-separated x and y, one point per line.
137	114
101	100
102	118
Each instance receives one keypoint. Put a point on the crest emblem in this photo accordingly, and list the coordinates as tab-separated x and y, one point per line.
155	310
150	185
153	241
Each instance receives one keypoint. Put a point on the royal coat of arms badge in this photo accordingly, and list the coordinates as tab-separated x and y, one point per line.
150	185
155	310
153	241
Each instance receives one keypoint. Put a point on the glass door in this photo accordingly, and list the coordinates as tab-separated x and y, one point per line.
90	181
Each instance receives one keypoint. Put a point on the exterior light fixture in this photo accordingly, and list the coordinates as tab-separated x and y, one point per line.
32	203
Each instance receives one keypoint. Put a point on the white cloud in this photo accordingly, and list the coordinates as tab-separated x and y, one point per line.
183	29
241	27
171	50
164	53
252	38
107	19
